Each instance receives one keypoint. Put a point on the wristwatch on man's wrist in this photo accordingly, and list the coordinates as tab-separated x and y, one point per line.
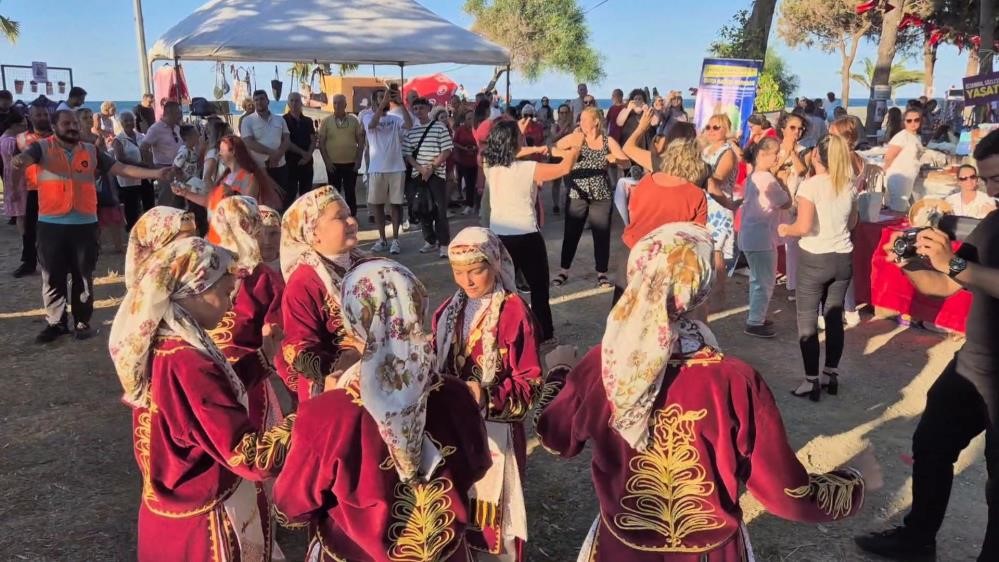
956	266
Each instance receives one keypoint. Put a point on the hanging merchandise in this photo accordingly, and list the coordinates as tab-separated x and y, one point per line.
241	85
253	73
18	87
276	84
321	96
169	84
221	84
34	87
62	87
48	88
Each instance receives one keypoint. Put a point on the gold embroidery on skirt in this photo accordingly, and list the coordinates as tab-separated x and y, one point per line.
424	518
833	493
668	491
143	435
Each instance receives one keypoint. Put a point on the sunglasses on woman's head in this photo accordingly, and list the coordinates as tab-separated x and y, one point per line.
713	127
589	102
966	178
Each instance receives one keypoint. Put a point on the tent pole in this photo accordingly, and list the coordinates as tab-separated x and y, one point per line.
508	86
402	76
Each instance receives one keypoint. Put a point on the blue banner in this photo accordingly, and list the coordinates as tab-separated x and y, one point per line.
728	87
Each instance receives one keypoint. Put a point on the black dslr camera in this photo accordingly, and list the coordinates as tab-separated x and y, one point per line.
955	227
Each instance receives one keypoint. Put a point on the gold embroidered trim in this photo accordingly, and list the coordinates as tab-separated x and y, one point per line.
705	356
424	518
167	352
668	491
514	408
143	435
283	520
445	450
308	364
833	493
549	390
264	451
214	536
326	550
222	334
198	510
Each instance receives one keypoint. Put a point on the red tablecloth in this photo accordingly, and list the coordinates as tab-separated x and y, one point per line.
882	284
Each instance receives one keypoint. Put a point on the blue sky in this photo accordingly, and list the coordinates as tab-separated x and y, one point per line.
641	47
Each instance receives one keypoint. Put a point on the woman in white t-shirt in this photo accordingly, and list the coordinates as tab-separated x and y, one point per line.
513	191
827	212
970	202
137	196
902	161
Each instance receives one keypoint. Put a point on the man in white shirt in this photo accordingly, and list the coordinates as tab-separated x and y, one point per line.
74	100
268	138
577	105
831	107
386	168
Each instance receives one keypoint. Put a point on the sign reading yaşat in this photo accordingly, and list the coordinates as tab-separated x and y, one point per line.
982	89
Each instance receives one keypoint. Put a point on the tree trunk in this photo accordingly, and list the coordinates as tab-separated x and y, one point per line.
929	63
758	28
986	30
887	45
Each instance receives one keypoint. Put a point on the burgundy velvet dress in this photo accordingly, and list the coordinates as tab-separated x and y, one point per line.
714	426
511	396
195	444
239	335
340	480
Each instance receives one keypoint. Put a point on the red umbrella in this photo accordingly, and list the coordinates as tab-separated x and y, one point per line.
437	88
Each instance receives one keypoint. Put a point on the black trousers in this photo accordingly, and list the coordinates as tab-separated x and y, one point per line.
137	200
343	177
299	181
598	214
68	250
280	177
530	256
821	278
958	408
468	175
29	253
436	229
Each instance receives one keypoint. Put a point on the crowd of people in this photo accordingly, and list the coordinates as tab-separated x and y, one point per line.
408	442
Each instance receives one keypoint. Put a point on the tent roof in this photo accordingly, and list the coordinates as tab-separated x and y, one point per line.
324	31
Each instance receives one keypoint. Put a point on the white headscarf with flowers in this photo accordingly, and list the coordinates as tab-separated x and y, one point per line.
298	228
476	245
184	268
156	228
237	222
384	306
670	273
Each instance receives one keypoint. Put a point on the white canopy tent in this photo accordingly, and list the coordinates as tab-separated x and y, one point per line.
396	32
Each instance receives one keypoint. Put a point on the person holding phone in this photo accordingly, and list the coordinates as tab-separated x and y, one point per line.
386	168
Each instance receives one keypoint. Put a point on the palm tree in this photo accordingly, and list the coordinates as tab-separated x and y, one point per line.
10	29
899	76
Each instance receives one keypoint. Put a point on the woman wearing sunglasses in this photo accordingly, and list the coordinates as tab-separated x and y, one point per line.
723	161
902	161
970	202
789	170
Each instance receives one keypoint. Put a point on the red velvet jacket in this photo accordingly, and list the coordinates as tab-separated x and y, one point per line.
239	334
196	441
340	478
715	426
313	331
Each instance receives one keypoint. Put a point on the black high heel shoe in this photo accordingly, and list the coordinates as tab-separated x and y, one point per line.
814	393
832	387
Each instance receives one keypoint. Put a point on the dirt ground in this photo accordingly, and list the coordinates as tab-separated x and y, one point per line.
69	487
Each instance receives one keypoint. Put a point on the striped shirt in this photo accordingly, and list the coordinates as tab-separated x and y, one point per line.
438	140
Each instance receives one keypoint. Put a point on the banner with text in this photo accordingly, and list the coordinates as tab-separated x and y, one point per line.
982	89
728	87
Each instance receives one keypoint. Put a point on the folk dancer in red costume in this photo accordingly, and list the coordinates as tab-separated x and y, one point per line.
677	427
197	450
381	463
154	230
486	336
318	239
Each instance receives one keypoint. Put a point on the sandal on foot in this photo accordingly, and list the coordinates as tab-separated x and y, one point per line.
830	381
810	389
560	279
603	282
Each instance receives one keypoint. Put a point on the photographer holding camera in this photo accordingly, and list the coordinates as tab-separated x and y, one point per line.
964	400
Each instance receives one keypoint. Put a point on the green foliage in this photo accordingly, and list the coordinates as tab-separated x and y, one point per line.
769	96
541	35
899	76
777	82
10	29
733	40
304	70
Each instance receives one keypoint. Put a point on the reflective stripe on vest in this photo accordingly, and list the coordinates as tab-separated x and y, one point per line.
67	184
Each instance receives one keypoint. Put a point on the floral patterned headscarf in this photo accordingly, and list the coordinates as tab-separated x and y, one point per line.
237	221
297	230
670	273
475	245
384	306
156	228
184	268
269	218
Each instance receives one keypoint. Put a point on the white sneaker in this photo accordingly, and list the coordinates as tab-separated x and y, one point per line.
442	253
405	225
394	248
852	318
467	211
427	248
822	323
379	246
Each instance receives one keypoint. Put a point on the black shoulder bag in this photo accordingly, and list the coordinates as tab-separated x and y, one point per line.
423	203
